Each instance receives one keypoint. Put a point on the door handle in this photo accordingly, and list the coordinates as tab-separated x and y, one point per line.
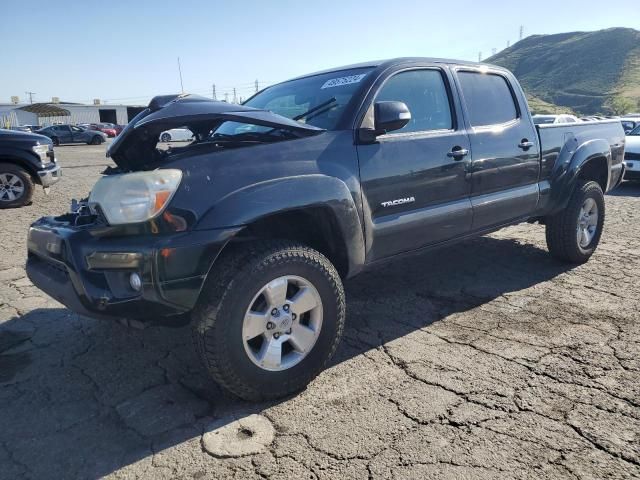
525	144
457	153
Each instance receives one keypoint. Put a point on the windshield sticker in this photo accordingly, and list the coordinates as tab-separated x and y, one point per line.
338	82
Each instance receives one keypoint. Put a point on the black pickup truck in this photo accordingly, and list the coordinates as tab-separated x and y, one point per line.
26	159
248	231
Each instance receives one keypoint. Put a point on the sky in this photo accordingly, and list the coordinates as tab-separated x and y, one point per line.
125	52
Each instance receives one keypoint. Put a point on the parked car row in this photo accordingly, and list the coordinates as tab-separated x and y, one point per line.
629	122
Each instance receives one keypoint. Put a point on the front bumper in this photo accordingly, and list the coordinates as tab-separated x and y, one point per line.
173	268
50	175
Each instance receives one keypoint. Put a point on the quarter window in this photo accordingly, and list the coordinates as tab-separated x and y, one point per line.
425	94
488	98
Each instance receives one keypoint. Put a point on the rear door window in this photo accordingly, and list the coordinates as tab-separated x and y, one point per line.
488	98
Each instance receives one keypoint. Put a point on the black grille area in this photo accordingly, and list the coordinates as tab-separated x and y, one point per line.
631	156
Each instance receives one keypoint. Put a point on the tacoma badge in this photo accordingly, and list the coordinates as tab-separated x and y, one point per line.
398	201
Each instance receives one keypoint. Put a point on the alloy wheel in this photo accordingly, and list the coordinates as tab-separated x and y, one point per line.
587	223
11	187
282	323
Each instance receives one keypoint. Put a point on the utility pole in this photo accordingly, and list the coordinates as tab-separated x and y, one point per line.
479	56
235	97
493	51
180	72
31	94
213	91
521	31
257	86
508	43
226	97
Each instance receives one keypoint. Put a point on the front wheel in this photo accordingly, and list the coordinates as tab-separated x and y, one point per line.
574	233
269	321
16	186
96	140
165	138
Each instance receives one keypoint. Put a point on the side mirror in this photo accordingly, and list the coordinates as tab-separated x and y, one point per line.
390	116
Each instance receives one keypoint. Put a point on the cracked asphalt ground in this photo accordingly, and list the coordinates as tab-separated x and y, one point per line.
484	360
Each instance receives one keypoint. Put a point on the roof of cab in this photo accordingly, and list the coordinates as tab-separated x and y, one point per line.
397	61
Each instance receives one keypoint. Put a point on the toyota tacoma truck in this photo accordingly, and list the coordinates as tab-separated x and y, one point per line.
249	230
26	160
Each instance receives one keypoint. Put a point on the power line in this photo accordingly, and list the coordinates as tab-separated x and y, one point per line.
180	72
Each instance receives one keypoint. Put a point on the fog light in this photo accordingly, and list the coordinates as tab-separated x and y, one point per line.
135	281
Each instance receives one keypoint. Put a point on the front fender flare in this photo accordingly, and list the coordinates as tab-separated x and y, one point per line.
263	199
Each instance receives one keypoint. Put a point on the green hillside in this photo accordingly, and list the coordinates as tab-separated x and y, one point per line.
588	72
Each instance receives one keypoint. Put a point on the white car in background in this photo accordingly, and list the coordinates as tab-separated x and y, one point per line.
632	154
550	119
176	135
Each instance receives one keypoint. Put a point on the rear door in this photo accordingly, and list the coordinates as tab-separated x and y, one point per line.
505	165
416	190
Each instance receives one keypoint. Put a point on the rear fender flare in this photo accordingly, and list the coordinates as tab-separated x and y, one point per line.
570	164
263	199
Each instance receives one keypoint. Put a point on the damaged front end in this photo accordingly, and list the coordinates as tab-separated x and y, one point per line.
125	252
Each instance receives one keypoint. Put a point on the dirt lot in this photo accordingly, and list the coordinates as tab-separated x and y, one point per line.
486	360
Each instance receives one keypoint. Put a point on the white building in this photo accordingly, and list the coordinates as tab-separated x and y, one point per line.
12	115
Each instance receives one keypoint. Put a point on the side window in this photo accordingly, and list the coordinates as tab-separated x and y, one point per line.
425	93
488	98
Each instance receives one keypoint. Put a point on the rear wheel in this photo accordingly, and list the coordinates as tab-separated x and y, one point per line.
574	233
96	140
55	140
16	186
269	321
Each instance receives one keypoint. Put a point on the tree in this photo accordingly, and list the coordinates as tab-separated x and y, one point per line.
621	105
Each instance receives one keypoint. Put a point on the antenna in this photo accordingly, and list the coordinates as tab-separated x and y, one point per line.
31	94
180	72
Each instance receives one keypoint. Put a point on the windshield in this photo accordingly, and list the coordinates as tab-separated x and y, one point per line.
541	120
635	132
319	100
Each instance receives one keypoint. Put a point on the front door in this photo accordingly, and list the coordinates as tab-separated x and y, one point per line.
506	158
64	133
415	180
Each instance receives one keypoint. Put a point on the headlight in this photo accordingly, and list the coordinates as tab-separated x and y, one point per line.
135	197
41	151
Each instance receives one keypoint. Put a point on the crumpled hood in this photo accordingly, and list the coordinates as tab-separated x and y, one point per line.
132	148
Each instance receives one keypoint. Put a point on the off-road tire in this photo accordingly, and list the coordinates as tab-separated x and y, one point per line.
561	228
27	181
218	317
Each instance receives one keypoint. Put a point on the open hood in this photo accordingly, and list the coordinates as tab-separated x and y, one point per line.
132	148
